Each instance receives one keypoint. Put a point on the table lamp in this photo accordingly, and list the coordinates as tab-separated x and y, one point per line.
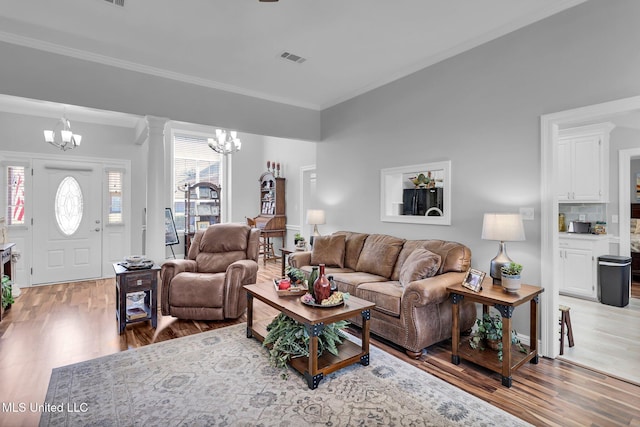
503	227
315	217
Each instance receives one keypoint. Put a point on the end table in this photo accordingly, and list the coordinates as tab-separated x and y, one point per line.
141	280
505	303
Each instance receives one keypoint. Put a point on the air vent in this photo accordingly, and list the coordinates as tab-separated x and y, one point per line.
116	2
292	57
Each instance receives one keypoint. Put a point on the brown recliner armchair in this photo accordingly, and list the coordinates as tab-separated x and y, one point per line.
208	285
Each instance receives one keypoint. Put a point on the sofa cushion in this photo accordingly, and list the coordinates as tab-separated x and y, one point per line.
352	247
348	282
386	296
379	254
197	290
328	250
420	264
454	256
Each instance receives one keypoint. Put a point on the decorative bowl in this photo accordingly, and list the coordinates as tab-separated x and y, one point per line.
134	259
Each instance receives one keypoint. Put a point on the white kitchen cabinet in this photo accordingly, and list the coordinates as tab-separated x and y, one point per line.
579	264
583	163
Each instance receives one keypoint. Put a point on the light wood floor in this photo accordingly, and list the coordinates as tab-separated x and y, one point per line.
606	338
52	326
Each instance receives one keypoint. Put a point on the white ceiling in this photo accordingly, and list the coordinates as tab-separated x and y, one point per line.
351	46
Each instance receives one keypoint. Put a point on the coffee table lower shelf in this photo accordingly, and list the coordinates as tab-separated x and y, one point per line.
348	354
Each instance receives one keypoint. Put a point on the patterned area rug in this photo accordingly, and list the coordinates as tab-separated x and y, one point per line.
222	378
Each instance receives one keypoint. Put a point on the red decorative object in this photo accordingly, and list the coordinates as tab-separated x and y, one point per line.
321	287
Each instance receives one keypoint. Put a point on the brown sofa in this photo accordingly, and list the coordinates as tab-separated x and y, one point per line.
406	279
209	284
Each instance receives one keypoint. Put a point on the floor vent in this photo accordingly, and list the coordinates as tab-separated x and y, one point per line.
116	2
292	57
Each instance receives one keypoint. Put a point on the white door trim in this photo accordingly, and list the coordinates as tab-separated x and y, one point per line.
305	197
549	124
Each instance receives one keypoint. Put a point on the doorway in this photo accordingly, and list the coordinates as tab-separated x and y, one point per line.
67	223
550	125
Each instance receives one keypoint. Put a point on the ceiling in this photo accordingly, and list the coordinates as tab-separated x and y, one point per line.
350	46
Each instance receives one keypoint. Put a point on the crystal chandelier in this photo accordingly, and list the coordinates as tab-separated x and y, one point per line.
225	142
61	135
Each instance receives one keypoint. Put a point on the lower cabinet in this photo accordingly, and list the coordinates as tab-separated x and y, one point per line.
579	265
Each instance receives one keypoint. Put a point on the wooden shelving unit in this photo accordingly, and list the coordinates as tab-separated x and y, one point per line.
202	204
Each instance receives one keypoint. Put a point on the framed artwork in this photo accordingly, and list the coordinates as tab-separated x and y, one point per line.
170	233
202	225
638	186
473	280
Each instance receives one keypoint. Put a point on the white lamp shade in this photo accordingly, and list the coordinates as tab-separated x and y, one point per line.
505	227
315	216
48	136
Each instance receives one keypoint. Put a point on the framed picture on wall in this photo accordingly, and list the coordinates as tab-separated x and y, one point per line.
638	187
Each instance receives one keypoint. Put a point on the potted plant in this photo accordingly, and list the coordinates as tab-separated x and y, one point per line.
299	240
296	275
288	338
511	280
489	334
7	297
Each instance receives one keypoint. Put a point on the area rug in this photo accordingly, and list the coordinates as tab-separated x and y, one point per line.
222	378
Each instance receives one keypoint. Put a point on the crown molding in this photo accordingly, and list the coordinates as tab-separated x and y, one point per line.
145	69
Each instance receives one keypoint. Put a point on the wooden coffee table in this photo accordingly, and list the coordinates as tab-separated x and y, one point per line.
313	368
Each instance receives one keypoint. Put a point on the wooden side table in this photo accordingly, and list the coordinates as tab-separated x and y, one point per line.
505	303
129	281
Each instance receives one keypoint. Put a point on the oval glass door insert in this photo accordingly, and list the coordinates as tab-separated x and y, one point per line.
69	205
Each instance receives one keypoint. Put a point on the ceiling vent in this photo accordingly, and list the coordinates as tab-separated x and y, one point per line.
116	2
292	57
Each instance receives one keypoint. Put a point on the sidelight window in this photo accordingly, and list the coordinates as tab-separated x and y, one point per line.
15	195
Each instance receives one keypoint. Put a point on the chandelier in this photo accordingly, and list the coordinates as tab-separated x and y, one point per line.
61	135
225	142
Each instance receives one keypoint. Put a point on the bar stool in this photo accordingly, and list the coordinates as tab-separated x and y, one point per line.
565	319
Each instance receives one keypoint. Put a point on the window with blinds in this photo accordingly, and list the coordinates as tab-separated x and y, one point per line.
194	162
114	191
15	195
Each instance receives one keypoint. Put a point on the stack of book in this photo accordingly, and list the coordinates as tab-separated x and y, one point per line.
136	313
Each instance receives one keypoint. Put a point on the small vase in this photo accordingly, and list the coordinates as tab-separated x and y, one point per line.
321	287
312	280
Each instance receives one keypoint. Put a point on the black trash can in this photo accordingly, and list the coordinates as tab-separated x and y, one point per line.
614	280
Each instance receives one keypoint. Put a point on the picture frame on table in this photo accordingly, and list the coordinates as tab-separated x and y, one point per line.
202	225
473	280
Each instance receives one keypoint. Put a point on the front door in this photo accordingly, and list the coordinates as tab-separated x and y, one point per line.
67	223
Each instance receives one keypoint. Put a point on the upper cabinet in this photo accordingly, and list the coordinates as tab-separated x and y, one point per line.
583	163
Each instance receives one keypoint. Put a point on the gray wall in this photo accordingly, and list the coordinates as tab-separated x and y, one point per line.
621	138
481	110
31	73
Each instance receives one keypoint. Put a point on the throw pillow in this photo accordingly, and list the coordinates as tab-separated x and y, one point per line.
379	254
419	265
637	230
328	250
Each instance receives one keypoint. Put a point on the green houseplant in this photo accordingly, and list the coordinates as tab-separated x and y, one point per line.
489	333
288	339
511	278
7	297
295	274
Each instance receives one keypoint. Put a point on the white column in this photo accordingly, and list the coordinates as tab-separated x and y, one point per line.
154	236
